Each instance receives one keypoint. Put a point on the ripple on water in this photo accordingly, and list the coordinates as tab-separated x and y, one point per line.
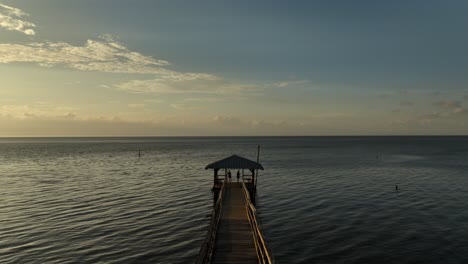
320	200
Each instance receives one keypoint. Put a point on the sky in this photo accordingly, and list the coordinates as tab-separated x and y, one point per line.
233	68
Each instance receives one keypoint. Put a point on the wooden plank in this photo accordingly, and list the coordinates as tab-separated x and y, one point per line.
234	242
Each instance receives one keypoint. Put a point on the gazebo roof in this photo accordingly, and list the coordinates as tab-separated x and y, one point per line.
234	162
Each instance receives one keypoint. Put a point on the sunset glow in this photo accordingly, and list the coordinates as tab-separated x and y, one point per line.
151	68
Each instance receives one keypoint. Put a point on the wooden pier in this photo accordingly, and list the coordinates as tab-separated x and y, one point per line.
234	235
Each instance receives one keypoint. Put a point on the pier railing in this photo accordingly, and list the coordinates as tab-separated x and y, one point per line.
263	253
206	251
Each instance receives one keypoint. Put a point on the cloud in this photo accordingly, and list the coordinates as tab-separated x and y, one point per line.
205	99
182	83
228	120
38	110
96	55
450	109
11	19
434	115
76	125
154	101
189	83
459	111
243	123
452	113
448	103
183	107
108	55
289	83
274	123
136	105
406	103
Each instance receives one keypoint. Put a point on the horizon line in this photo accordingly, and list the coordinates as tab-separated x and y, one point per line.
234	136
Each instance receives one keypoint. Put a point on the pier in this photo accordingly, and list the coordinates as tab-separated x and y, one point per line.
234	234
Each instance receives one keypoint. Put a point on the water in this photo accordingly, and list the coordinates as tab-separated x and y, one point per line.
320	200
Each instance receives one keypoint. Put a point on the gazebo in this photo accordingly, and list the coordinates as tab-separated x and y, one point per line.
238	163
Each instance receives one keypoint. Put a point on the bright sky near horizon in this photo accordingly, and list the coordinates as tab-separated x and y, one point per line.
210	67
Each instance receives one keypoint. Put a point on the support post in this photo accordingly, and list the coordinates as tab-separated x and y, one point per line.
258	160
215	176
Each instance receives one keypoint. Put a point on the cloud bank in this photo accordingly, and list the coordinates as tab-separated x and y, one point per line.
96	55
448	104
12	19
110	56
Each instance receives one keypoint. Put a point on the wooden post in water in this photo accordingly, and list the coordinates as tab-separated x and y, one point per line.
258	159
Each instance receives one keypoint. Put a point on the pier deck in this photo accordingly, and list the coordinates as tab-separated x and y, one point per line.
234	235
234	243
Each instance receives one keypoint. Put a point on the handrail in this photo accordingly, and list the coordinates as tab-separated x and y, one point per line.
263	253
206	251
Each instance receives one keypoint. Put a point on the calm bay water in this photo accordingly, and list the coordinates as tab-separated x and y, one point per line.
321	199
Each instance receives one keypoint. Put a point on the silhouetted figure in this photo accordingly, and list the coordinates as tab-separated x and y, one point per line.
229	175
238	176
139	153
396	187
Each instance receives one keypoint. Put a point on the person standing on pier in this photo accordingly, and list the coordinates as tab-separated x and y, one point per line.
238	176
229	176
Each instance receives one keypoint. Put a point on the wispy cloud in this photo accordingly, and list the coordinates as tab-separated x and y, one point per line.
38	110
181	107
187	84
447	109
448	103
12	19
168	84
459	111
449	114
204	99
108	55
101	55
406	103
290	83
229	120
136	105
153	101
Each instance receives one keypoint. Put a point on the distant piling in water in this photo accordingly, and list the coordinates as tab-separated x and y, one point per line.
139	153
